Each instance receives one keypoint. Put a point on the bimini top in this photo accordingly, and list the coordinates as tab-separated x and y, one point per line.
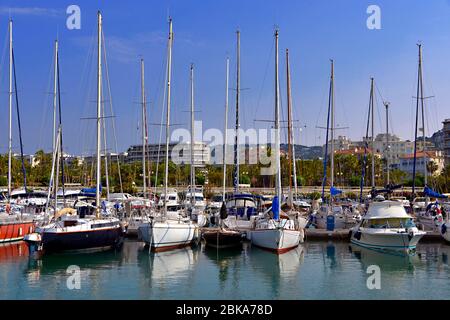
386	209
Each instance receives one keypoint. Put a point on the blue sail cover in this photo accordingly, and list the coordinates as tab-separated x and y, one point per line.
334	191
433	194
276	208
91	191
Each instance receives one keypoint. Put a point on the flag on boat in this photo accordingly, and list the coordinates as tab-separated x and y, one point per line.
334	191
276	208
433	194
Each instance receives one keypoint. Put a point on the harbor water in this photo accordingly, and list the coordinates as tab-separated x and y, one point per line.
315	270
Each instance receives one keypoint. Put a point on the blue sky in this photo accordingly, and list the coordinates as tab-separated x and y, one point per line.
313	30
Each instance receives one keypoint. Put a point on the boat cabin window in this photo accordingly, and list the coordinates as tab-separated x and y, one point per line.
70	223
390	223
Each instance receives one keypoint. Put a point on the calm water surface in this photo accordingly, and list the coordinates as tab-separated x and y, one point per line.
316	270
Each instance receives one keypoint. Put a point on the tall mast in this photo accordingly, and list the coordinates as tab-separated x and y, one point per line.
192	136
425	171
325	158
55	140
294	166
289	102
99	111
373	131
418	98
387	151
55	84
105	150
236	139
144	184
277	126
225	131
169	77
10	108
332	126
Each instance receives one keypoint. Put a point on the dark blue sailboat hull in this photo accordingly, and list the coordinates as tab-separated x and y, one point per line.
82	240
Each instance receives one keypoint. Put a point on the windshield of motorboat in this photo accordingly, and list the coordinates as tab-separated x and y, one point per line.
387	223
217	199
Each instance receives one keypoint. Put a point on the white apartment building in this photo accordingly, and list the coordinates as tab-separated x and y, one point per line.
407	162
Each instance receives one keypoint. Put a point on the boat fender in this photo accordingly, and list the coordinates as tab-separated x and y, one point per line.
410	235
444	229
357	235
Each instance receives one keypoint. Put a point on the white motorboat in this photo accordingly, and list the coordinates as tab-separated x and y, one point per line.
196	197
196	205
387	226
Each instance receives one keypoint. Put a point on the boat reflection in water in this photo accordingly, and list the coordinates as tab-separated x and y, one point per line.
176	265
388	261
13	251
279	273
227	260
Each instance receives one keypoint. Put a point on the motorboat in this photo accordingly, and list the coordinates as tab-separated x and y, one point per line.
386	226
196	205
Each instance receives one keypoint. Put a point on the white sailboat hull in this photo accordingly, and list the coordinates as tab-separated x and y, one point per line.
277	240
168	235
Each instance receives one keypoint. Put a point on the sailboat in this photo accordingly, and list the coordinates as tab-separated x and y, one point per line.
290	208
140	214
242	208
277	232
164	233
223	237
426	215
331	215
67	230
195	200
13	225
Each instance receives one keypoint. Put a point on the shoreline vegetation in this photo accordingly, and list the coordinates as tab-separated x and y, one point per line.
310	173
